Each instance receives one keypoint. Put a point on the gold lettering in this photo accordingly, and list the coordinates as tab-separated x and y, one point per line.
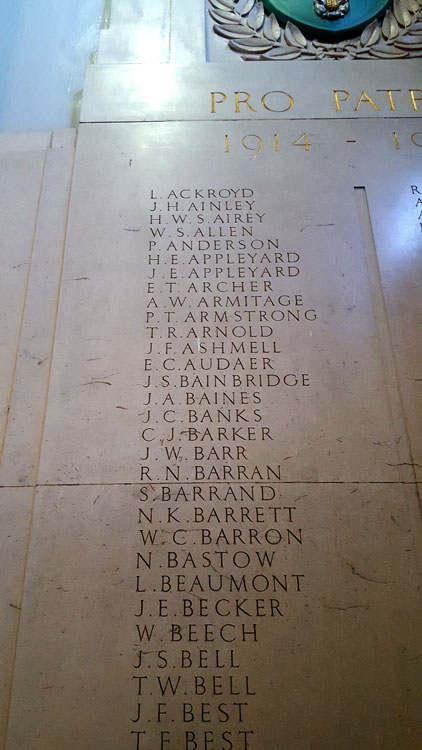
302	141
290	102
390	96
365	98
339	101
415	99
412	138
215	101
243	101
256	143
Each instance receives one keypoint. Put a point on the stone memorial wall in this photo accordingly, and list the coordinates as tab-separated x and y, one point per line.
223	521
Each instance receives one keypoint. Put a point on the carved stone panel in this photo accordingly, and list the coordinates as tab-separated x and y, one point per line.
231	446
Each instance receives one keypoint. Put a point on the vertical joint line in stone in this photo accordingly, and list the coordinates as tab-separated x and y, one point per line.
170	27
56	313
107	11
19	336
403	450
206	22
34	489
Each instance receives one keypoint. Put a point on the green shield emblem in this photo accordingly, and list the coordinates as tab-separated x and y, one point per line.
328	19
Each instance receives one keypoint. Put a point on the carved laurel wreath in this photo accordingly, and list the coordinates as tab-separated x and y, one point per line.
259	36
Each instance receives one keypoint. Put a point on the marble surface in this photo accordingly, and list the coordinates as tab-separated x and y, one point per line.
21	172
27	402
157	33
253	539
119	93
133	12
45	48
353	682
187	48
93	415
400	269
35	171
146	41
15	514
